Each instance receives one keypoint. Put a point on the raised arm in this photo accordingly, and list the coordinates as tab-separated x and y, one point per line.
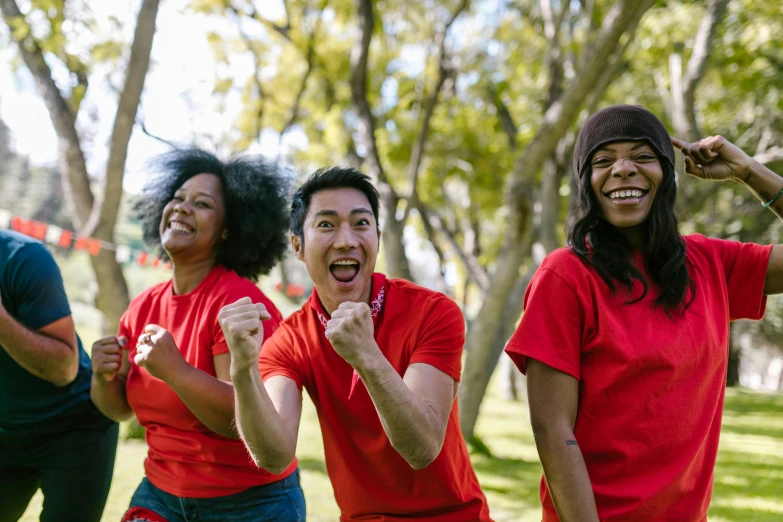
716	158
267	414
413	409
553	398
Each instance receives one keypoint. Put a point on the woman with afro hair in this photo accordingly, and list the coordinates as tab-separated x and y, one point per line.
221	225
625	333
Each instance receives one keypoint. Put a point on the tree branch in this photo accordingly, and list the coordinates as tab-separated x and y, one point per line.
143	127
504	115
697	64
302	87
444	70
71	157
771	155
105	217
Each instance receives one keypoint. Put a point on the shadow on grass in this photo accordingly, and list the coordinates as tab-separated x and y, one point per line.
514	477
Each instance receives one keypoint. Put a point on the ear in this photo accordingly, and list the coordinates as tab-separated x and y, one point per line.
298	247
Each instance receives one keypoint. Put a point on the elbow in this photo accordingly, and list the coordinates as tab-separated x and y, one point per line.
275	466
66	376
425	456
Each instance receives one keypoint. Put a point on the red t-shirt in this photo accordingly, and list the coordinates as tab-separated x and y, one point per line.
371	480
185	457
651	389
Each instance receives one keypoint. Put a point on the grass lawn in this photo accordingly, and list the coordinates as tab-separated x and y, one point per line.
748	476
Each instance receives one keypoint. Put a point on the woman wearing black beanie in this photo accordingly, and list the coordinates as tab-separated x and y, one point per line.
625	333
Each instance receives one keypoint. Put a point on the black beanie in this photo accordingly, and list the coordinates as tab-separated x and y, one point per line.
621	123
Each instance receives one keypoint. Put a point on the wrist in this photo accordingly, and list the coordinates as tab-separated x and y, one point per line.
368	361
243	368
745	176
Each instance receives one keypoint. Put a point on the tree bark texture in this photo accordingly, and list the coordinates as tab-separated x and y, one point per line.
481	359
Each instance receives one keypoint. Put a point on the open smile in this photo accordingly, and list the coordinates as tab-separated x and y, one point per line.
626	196
344	271
179	226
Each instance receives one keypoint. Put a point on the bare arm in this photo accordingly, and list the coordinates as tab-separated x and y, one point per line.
110	367
414	409
267	414
50	353
553	397
716	158
209	398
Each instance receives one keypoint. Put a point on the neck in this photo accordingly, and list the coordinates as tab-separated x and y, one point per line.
330	306
635	235
187	276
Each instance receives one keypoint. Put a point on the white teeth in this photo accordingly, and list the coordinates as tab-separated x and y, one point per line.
179	226
345	262
626	194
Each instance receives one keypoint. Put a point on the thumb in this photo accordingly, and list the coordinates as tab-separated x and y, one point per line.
152	329
263	313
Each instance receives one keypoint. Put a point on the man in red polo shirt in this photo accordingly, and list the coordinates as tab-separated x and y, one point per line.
380	358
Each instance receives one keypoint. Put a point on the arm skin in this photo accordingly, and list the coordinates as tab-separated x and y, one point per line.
765	184
716	158
554	397
414	409
267	414
50	353
110	367
210	399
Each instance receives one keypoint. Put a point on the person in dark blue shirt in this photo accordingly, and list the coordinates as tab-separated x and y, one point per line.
51	435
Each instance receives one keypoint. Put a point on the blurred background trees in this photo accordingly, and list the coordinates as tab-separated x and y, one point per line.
464	112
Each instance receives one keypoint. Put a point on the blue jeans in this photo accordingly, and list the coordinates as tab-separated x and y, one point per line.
281	501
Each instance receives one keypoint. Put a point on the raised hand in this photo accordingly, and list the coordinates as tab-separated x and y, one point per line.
714	158
106	357
351	332
241	325
158	353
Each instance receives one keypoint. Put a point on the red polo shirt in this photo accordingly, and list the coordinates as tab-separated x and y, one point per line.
371	480
185	457
651	388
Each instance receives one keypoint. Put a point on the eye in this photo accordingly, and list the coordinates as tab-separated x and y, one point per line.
363	223
202	204
177	198
646	156
324	224
601	161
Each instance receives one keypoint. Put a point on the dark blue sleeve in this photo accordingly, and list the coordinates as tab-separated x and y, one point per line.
36	287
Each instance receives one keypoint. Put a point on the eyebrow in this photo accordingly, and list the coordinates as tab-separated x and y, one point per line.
210	196
359	210
635	147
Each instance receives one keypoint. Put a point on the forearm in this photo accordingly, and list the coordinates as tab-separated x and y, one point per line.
208	398
409	422
109	397
271	446
566	474
49	359
765	184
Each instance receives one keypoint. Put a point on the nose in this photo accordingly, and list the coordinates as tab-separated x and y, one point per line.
182	207
623	168
346	238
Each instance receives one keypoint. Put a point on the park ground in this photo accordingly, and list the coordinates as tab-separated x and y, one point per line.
748	475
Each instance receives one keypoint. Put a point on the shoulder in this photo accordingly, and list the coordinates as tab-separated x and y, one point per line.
566	265
432	305
26	252
294	329
148	295
230	287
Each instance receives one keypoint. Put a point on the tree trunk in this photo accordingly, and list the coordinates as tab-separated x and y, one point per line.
735	354
481	351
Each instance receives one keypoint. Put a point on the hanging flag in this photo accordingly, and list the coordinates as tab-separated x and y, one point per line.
65	239
142	259
123	254
38	230
81	243
156	262
5	218
53	234
94	246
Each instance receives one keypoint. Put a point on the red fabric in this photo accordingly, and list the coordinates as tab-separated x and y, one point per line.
371	480
185	458
651	389
141	514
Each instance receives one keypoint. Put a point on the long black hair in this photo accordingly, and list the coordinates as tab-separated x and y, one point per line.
255	191
603	246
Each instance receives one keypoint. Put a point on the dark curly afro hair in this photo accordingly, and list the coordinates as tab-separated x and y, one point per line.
255	191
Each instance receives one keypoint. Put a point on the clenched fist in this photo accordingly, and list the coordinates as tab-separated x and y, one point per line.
352	333
158	353
107	357
241	325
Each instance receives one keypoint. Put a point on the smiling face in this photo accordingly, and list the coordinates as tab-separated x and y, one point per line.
625	179
340	247
193	222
